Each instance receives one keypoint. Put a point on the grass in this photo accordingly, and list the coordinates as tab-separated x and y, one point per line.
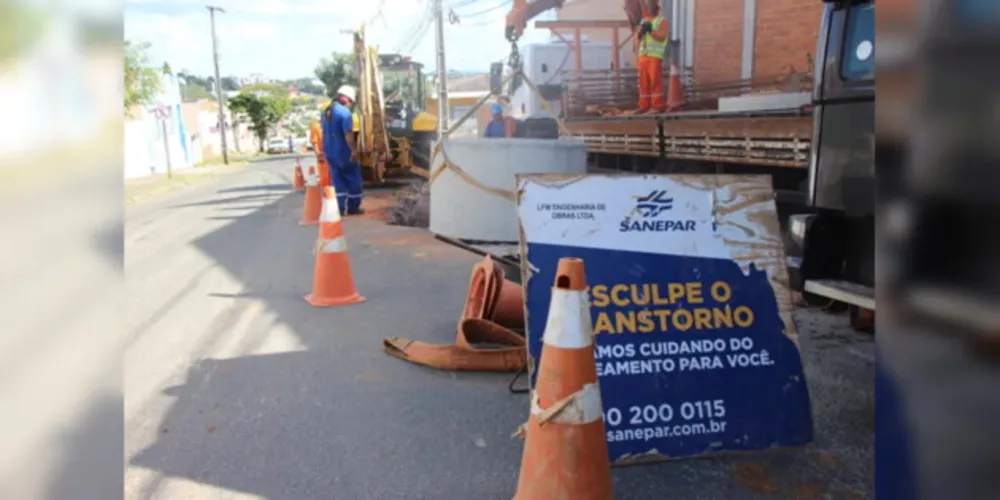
235	159
142	189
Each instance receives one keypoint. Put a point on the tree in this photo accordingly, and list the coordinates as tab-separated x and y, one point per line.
297	129
336	71
229	83
263	111
275	90
142	83
195	92
307	85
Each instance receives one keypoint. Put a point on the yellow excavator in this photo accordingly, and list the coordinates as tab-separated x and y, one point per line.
394	133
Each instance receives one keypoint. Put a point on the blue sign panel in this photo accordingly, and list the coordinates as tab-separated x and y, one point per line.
696	348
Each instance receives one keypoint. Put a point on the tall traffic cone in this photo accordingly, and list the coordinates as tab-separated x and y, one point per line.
565	452
324	171
333	284
675	89
313	204
299	180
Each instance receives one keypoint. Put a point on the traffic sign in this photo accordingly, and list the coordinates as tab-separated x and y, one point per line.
162	112
696	349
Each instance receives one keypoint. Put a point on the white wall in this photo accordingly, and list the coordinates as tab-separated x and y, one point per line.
145	151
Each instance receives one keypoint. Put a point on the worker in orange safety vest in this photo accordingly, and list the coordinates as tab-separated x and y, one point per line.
652	36
316	138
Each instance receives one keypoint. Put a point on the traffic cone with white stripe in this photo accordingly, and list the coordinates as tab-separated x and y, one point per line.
565	452
314	201
333	284
299	180
675	89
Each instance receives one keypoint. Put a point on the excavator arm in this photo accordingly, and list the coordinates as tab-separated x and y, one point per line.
525	10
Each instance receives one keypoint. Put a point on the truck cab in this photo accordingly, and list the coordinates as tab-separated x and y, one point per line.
404	110
836	240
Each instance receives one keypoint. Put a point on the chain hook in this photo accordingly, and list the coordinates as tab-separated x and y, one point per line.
515	57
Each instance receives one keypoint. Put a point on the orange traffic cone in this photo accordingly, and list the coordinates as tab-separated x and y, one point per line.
324	172
333	284
565	454
509	308
313	204
299	180
675	89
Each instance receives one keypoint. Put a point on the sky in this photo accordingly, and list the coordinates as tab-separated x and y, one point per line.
286	39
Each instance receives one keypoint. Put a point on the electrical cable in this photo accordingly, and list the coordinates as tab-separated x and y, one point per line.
485	11
417	32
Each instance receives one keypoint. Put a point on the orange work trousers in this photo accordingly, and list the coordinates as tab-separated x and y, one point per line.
651	84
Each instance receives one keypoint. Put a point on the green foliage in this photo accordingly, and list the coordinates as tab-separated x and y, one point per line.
307	86
275	90
297	129
195	92
195	80
335	71
229	83
141	82
262	110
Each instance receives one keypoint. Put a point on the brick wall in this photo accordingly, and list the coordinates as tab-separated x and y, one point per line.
786	32
718	40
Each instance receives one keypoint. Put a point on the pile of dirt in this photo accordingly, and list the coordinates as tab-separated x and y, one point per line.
413	206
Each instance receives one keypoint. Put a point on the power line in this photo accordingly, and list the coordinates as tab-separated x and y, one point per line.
461	3
485	11
416	31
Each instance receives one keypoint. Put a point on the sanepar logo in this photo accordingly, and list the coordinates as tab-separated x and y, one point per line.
645	216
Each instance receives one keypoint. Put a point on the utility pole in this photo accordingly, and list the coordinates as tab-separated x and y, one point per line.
441	70
218	85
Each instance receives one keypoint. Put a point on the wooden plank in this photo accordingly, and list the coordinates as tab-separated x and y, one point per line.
788	127
614	126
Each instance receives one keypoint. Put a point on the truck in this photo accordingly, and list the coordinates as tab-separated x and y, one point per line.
394	132
812	131
837	238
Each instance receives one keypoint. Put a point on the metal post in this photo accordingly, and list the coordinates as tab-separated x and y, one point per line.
166	147
218	85
441	69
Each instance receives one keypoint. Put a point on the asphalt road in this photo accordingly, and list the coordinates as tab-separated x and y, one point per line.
236	388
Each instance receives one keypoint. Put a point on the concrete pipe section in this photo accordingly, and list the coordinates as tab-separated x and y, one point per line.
472	199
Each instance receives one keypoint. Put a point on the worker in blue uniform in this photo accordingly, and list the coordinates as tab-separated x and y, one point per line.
341	152
497	127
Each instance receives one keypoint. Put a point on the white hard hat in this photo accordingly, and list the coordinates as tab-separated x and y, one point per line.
348	92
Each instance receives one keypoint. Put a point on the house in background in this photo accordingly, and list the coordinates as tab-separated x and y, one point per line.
147	149
201	120
463	94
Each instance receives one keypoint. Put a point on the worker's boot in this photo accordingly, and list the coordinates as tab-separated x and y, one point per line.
357	211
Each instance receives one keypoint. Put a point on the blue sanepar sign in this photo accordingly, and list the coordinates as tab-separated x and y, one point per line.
696	349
